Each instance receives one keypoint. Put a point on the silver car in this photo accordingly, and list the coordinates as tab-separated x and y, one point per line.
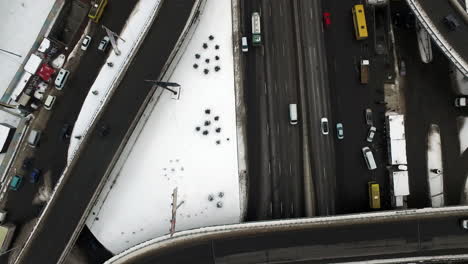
371	134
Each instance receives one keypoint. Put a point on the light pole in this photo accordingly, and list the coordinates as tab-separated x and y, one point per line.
172	87
113	35
9	52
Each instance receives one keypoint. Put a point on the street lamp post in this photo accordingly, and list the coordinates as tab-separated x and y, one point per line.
172	87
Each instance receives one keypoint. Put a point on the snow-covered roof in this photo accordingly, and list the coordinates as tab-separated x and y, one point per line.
396	126
45	44
33	64
396	139
397	152
400	183
20	85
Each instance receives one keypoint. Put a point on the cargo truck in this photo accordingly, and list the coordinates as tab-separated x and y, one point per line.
6	236
256	29
364	71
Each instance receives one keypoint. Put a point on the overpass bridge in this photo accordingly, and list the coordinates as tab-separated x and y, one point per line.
408	236
453	43
64	215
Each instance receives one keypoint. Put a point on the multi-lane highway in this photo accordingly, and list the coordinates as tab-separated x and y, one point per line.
277	161
331	243
67	210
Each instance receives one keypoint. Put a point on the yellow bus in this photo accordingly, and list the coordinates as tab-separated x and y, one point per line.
97	7
374	195
359	19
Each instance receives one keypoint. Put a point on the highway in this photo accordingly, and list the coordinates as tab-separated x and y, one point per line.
67	210
277	160
331	243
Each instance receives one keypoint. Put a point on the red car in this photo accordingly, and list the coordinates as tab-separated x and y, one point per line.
326	19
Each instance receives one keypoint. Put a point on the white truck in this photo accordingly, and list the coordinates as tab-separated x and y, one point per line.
460	101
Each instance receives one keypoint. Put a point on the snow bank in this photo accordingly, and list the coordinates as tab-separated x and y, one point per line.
21	23
141	18
188	143
434	162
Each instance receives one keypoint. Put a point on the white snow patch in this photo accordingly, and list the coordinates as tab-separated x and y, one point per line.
170	152
434	161
21	23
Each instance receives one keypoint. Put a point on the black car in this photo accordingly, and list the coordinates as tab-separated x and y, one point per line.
451	22
65	132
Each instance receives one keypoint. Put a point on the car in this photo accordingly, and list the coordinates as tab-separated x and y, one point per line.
103	44
86	42
339	131
244	44
34	176
15	182
368	115
451	22
104	130
326	19
461	101
65	132
324	125
27	163
371	134
464	224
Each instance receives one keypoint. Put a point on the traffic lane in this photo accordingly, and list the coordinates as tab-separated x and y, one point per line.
273	125
126	101
350	100
437	10
289	134
259	179
312	31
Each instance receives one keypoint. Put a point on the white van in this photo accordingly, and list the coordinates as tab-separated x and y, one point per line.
49	102
369	158
61	79
34	137
245	45
293	114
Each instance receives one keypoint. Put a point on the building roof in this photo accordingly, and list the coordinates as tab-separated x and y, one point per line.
400	183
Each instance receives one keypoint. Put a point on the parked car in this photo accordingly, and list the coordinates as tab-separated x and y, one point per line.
339	131
326	19
460	101
15	182
86	42
371	133
368	115
34	176
324	125
103	44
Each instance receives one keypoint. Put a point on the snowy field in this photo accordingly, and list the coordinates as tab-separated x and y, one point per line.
22	20
188	143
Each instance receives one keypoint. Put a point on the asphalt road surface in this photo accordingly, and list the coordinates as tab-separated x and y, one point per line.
349	99
66	212
353	242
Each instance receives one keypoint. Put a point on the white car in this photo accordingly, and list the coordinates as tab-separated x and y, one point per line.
103	44
86	42
324	125
371	134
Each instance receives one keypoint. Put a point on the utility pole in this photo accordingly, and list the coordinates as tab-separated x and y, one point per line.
175	206
112	35
174	87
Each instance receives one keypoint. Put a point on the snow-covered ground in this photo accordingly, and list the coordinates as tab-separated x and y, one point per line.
188	143
22	20
434	162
